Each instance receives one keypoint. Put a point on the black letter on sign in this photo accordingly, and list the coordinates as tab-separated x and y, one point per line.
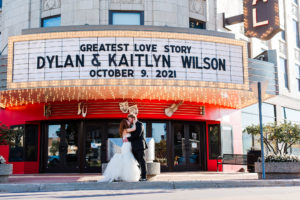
39	64
111	59
206	59
69	61
95	61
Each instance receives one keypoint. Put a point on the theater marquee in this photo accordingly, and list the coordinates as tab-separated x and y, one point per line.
129	55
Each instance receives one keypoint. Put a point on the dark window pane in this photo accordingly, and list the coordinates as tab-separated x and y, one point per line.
113	130
179	145
283	67
0	3
51	21
16	151
71	141
296	32
126	18
194	23
214	141
283	35
93	146
31	142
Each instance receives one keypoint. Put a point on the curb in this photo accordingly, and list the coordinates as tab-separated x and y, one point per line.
50	187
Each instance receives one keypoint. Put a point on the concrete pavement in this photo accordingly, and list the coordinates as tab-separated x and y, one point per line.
266	193
166	181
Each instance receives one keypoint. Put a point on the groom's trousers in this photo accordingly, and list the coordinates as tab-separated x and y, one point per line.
140	157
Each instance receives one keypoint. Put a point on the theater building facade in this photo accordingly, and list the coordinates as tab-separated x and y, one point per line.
68	87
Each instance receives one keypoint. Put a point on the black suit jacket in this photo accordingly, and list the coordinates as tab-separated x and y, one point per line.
137	138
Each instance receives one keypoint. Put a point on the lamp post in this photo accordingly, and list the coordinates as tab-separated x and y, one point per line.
261	130
259	90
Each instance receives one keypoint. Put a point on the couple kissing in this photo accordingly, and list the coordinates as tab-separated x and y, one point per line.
130	164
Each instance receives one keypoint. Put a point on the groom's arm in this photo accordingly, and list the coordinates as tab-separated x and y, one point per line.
137	133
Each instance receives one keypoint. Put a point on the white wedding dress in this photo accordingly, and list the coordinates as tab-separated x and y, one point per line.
122	166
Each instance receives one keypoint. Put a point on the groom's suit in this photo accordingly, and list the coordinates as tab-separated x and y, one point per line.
138	144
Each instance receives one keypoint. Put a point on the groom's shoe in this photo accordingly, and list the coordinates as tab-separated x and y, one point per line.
143	179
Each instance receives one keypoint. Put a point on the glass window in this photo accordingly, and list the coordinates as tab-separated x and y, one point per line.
51	21
250	117
227	140
25	145
159	133
0	3
53	145
31	142
194	23
214	141
179	145
16	151
283	35
298	76
113	130
296	32
283	67
291	115
126	18
93	145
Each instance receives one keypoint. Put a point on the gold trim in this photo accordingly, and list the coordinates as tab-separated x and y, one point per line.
115	82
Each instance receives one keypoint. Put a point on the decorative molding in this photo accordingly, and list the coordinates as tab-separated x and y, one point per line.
124	107
198	6
47	110
133	110
82	109
173	108
51	4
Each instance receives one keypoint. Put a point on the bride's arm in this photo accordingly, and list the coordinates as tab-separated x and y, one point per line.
133	128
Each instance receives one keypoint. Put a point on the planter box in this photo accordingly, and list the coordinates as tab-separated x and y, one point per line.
279	170
5	171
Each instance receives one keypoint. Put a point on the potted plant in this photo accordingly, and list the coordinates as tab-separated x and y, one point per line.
278	139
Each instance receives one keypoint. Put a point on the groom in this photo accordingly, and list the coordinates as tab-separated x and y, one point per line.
138	144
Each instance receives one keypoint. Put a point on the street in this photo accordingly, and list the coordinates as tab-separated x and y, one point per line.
266	193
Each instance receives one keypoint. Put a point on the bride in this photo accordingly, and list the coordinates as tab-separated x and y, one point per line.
123	166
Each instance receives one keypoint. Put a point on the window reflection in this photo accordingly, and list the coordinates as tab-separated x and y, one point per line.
179	145
16	152
93	146
214	141
126	18
159	133
194	144
51	21
53	144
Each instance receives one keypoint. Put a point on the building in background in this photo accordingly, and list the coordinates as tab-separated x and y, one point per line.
286	105
66	113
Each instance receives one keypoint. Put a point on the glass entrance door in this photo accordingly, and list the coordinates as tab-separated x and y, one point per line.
62	149
94	147
188	146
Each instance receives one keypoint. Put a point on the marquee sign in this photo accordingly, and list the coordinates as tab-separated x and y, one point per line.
106	57
261	18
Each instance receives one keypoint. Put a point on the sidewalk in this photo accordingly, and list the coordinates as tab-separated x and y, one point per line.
176	180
